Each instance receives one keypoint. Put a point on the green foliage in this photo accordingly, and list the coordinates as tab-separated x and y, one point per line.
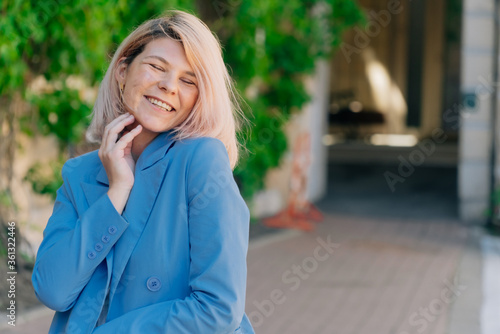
269	46
62	113
45	179
453	21
278	43
60	39
6	200
494	214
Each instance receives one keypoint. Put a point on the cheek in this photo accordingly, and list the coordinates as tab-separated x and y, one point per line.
134	92
193	98
141	81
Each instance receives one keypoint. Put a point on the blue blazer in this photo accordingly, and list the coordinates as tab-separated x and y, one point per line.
173	262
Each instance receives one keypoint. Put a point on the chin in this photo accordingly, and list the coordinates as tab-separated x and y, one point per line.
154	124
155	128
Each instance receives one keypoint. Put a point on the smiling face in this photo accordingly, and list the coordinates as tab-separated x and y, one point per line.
160	88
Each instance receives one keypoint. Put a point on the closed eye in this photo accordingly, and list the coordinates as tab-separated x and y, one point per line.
189	82
156	67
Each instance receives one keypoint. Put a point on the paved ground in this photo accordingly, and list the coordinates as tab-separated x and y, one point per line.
386	276
397	263
382	276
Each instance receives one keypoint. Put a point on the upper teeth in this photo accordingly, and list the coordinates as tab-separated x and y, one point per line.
160	104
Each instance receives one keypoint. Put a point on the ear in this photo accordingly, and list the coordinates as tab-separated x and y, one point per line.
121	71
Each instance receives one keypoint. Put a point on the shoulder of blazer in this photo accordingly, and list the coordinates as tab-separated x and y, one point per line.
202	157
82	168
86	166
206	146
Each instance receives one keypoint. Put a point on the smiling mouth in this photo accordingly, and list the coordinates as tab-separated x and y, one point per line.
159	104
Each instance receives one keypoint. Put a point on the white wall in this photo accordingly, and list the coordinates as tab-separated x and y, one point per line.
313	119
317	116
475	131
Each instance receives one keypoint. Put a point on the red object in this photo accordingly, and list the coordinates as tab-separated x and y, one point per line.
299	213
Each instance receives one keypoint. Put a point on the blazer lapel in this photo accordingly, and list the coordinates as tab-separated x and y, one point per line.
149	174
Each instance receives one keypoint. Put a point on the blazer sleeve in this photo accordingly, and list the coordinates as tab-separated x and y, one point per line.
218	235
73	246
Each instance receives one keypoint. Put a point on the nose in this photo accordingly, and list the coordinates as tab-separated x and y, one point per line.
168	83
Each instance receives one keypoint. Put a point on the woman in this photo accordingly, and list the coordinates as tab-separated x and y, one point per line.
149	234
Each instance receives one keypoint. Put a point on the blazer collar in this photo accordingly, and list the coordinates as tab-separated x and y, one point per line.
150	170
154	152
149	173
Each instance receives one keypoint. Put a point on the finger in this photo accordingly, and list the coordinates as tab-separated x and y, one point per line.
127	138
110	125
118	124
115	121
112	135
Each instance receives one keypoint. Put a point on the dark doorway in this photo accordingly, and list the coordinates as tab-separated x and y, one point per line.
416	44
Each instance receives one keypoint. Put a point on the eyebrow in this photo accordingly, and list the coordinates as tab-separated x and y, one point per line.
163	60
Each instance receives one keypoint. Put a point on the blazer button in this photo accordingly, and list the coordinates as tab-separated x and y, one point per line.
98	247
153	283
105	238
91	255
112	229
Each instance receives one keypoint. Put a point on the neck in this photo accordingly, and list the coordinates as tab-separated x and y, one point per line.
141	141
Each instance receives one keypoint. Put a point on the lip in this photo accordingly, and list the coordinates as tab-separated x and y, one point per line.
154	97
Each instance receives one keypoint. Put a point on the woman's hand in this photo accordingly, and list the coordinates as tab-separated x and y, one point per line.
116	157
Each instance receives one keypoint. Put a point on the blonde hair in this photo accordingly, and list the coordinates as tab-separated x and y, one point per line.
217	112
